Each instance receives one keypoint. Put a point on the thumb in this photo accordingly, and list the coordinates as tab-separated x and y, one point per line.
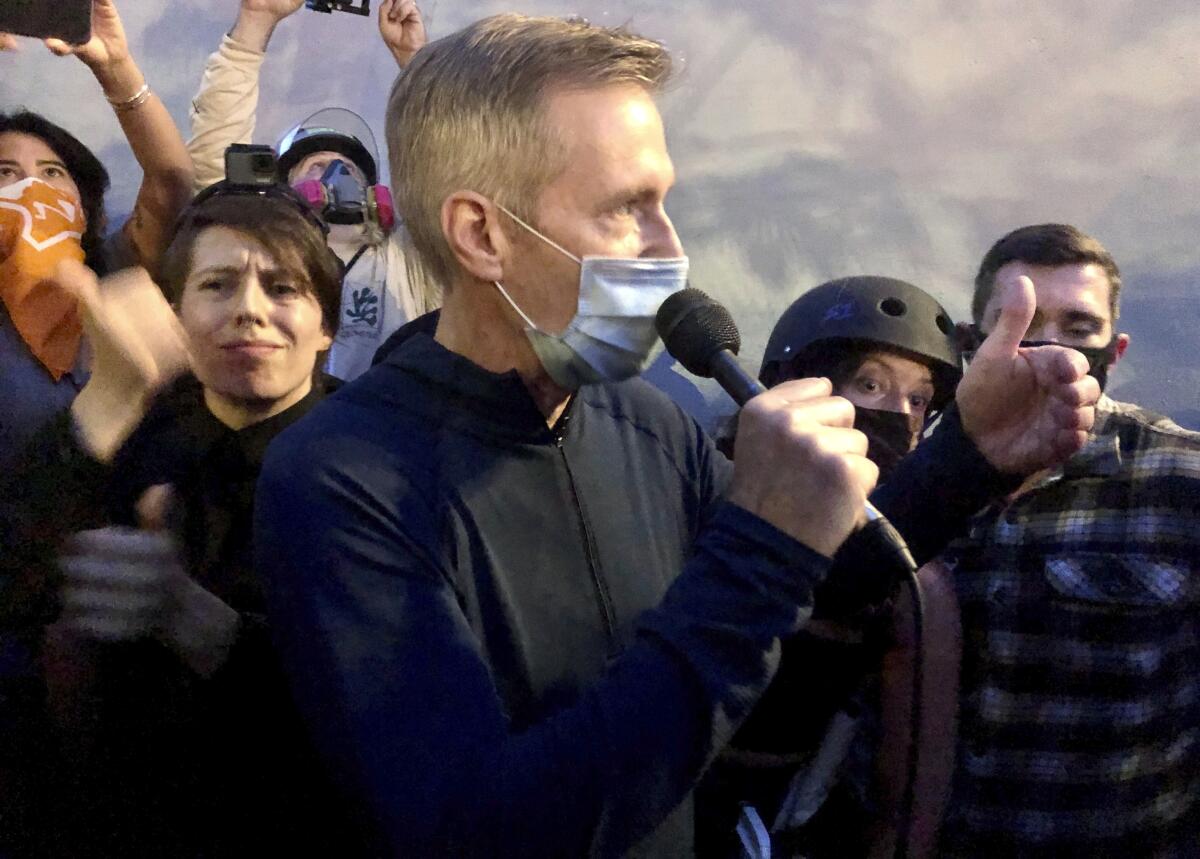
58	47
154	507
1018	304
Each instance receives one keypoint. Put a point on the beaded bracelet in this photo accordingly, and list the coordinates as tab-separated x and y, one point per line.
136	100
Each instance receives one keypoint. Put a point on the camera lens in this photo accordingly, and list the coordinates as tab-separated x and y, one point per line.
263	164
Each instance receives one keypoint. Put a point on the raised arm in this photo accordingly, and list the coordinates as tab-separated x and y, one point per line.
402	28
152	135
224	110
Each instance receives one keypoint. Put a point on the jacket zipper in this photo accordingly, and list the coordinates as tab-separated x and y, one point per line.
602	595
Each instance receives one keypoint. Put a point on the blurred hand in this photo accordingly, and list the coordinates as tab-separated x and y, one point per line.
800	465
107	48
8	42
137	342
123	584
137	347
1026	408
402	29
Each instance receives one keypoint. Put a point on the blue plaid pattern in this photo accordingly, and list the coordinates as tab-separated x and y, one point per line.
1080	701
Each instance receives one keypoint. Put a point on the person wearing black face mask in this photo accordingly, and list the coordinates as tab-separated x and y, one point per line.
1079	607
889	348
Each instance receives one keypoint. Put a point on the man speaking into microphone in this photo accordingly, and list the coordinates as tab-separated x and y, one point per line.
522	598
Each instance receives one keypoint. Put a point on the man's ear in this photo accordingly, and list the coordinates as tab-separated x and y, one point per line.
470	223
1122	345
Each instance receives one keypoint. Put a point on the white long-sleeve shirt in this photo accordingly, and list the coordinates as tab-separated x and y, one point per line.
387	286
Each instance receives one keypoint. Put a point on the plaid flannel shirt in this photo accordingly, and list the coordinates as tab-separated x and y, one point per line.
1079	727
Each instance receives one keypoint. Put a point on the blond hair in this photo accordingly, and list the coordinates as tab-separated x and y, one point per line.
469	114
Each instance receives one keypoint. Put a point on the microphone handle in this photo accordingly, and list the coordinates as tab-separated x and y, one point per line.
733	378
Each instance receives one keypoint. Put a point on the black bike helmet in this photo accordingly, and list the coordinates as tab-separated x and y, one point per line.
858	313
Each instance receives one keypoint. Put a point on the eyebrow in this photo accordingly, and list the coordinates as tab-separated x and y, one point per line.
217	269
1075	316
635	194
41	163
272	273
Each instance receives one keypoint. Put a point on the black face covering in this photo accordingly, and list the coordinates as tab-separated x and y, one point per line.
346	195
889	436
1098	357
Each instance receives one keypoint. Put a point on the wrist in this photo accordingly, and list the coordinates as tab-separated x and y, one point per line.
253	29
120	79
402	57
105	415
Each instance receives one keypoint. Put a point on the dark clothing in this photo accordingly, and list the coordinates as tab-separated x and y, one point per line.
1080	716
516	640
828	669
161	762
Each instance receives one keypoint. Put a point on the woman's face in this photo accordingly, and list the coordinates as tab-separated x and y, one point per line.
253	330
892	383
23	156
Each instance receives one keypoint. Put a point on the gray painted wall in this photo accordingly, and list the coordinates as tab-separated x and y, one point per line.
820	139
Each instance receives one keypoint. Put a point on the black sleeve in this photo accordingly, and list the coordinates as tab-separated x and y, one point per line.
54	490
937	488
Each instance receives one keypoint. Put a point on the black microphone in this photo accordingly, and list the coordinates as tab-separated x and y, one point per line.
702	336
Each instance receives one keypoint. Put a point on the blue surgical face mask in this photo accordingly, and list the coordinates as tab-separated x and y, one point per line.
612	335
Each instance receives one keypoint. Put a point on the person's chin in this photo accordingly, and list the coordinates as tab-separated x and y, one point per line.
254	392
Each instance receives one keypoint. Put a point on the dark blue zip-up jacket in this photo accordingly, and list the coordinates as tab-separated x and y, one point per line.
516	640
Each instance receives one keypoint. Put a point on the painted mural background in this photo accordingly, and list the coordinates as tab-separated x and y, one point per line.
818	139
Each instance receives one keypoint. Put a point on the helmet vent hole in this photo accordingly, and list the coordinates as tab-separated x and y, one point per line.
893	307
944	325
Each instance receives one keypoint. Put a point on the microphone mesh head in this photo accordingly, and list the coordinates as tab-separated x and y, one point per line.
694	327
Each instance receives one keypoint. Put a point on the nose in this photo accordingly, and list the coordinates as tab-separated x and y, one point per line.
659	236
898	401
250	305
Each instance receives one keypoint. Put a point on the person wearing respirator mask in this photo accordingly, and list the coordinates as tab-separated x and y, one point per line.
330	158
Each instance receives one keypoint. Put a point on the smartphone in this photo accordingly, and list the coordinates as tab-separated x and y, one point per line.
363	7
69	20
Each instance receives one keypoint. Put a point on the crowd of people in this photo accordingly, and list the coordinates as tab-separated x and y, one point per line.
338	524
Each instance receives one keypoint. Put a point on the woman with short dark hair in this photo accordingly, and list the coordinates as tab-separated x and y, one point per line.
127	564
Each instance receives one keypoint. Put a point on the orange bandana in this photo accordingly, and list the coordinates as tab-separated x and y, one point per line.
39	227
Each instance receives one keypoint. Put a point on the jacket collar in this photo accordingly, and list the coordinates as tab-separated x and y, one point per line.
465	396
